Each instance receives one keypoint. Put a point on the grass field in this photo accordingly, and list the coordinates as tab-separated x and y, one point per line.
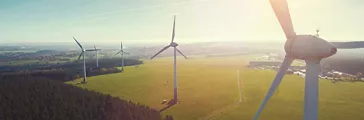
207	86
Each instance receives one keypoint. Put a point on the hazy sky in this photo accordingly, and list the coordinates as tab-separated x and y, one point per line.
151	20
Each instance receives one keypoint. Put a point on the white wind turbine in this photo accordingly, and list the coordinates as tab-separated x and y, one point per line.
84	60
310	48
96	54
122	56
317	32
174	45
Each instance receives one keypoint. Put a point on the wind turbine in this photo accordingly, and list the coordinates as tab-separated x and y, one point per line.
174	45
84	60
122	56
305	47
96	54
317	32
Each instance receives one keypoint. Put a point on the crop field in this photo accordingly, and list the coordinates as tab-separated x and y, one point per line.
208	89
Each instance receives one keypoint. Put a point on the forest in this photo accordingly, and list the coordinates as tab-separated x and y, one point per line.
67	71
346	65
38	98
38	92
61	74
106	63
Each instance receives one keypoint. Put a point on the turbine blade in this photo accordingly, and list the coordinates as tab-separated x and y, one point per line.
95	47
91	50
160	51
80	55
277	80
348	45
281	10
117	53
174	25
181	53
311	90
78	43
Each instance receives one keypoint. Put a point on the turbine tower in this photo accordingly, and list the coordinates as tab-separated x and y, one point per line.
84	60
305	47
174	45
122	56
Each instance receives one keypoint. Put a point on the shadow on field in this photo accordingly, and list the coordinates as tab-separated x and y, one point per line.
169	104
80	83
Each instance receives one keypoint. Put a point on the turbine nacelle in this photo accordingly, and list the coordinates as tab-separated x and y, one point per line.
173	44
309	47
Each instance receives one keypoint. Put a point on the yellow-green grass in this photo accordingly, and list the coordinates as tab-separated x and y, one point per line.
337	101
207	85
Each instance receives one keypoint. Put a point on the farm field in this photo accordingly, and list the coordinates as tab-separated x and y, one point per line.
208	86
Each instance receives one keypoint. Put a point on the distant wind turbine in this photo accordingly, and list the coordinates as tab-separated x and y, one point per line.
96	54
317	32
174	45
122	56
84	60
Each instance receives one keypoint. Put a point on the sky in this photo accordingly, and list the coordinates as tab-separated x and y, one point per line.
150	21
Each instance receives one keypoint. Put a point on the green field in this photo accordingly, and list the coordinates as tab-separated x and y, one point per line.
208	86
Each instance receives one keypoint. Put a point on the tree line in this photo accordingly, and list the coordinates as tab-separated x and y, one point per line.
38	98
61	74
346	65
105	63
67	71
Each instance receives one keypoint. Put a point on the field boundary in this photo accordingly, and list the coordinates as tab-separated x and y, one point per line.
220	111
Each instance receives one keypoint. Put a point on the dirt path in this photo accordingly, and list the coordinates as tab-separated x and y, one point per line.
220	111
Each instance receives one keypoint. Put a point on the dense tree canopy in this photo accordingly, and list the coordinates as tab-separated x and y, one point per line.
351	66
30	98
67	71
61	74
109	62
